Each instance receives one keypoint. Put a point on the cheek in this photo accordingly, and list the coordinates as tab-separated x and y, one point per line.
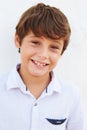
55	58
24	55
27	51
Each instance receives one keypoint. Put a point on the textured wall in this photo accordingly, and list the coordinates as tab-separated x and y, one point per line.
73	64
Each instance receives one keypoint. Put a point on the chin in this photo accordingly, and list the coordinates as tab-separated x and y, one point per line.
38	75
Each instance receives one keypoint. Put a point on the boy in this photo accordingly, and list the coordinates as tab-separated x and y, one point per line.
31	96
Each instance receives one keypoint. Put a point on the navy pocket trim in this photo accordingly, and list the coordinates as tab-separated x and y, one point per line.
56	121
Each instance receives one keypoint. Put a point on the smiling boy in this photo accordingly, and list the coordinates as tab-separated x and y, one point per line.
39	55
33	97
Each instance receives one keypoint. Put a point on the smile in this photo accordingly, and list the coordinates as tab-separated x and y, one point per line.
39	63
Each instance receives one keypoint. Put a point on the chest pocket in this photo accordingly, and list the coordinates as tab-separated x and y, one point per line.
56	121
55	124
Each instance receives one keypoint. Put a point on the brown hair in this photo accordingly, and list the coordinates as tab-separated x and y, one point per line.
44	20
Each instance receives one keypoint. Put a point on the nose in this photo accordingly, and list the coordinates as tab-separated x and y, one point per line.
44	53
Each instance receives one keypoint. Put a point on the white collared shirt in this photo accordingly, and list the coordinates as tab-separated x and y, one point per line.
58	108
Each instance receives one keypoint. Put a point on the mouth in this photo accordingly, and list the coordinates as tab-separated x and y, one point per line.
39	63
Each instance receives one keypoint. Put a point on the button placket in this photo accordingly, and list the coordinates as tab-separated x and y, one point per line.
36	104
35	116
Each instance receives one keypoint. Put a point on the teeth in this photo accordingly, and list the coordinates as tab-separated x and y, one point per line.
39	64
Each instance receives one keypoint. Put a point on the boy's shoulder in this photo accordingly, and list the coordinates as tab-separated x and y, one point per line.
3	79
68	86
3	76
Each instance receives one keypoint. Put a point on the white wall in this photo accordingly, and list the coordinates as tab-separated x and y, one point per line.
73	64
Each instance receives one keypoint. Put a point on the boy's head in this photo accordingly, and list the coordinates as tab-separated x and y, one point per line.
44	20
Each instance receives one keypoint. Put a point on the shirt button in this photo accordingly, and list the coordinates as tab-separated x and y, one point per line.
35	104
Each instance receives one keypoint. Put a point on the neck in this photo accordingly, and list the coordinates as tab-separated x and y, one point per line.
36	85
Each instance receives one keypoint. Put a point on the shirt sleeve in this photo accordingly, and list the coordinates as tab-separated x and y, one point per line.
76	118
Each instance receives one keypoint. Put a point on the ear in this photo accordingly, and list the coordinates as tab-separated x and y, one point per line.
17	41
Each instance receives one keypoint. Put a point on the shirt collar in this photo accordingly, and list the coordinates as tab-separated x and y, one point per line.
54	85
15	81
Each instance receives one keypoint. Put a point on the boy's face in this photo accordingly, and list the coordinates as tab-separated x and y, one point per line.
39	55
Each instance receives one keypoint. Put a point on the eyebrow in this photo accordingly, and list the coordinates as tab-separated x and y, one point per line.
57	42
35	36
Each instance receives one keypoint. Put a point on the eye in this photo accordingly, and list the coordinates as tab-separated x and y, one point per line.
54	47
35	42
